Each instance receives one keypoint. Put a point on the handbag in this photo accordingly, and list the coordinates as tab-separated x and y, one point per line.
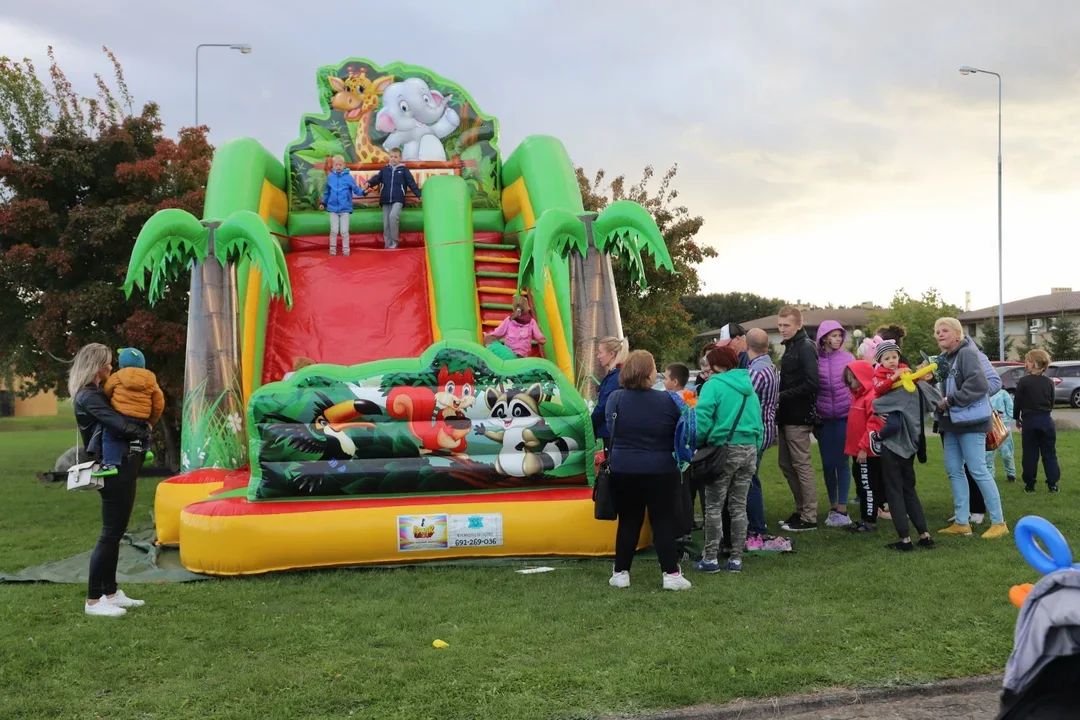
79	475
963	415
708	462
603	500
999	431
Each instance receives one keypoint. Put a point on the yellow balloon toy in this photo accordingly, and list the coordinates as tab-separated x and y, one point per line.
908	378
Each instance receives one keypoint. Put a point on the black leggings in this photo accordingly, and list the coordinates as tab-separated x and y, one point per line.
117	500
898	474
1040	437
869	487
632	495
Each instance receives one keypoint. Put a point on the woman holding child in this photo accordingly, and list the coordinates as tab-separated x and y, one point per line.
964	419
93	414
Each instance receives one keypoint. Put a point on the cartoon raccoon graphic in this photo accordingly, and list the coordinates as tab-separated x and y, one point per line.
529	447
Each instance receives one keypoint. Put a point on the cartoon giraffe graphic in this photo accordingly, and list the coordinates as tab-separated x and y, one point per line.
356	96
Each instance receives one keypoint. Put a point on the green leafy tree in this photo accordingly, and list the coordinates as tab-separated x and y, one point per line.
711	311
78	178
1026	346
917	316
989	343
1064	341
653	316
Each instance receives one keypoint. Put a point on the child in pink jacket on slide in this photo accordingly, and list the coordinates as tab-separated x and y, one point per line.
519	329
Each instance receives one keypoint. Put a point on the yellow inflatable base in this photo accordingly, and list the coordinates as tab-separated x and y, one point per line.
231	536
175	494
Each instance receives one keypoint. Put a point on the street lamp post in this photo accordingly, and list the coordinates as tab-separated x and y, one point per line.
244	49
967	70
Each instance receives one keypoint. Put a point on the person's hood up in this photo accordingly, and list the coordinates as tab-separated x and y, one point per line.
864	373
738	380
824	329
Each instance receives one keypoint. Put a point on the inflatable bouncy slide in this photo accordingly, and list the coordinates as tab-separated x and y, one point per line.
407	440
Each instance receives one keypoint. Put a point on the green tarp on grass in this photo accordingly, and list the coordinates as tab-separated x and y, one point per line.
140	562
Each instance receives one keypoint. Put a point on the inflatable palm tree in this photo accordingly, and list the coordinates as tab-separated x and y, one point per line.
170	242
624	230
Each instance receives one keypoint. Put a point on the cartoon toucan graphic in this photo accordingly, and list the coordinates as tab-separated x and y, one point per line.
326	434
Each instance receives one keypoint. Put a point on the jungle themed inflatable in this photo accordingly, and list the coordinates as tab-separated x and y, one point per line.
407	440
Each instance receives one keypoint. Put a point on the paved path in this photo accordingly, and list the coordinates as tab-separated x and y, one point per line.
966	699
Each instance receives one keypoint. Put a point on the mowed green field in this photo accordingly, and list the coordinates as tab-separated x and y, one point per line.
842	611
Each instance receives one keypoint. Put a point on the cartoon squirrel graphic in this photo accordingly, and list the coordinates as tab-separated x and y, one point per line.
529	447
437	419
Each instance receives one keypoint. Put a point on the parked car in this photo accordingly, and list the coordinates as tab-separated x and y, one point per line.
1010	372
1066	377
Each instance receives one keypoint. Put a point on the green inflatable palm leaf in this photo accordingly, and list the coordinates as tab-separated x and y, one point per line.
558	232
167	244
244	235
626	230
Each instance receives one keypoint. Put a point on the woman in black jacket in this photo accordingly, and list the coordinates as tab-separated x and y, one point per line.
93	413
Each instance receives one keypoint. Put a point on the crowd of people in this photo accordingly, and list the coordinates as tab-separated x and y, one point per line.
869	415
868	426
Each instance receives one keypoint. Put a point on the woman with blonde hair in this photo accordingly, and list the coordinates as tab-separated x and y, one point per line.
964	419
93	413
611	353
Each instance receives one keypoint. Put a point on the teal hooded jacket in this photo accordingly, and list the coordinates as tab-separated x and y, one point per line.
721	397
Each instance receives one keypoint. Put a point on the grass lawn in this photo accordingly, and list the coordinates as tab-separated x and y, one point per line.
841	612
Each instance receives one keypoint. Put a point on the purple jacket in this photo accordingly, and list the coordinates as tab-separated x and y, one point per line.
834	397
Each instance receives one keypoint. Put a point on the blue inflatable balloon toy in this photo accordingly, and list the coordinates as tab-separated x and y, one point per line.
1029	530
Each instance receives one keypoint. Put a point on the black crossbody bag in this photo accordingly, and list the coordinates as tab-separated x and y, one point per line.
603	501
708	462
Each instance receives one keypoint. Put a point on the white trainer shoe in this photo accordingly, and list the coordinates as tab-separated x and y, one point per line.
977	518
104	608
676	582
620	579
123	601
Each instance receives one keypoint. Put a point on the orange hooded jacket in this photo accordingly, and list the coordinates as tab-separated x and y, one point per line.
134	392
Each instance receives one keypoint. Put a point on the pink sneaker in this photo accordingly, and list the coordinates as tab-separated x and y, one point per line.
754	543
778	544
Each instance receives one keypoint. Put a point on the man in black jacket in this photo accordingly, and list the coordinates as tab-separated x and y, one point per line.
795	417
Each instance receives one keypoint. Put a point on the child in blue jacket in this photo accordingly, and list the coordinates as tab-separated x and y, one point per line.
337	199
393	178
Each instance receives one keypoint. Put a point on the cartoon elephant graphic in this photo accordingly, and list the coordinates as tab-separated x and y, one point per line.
417	119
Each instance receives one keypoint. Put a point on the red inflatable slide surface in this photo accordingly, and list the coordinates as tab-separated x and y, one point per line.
369	306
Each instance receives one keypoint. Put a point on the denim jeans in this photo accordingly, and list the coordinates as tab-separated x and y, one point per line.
834	463
970	448
113	447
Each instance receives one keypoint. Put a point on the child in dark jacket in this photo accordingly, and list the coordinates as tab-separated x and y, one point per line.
393	178
1032	403
898	442
865	464
337	199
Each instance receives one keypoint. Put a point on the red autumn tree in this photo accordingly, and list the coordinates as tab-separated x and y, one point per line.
78	178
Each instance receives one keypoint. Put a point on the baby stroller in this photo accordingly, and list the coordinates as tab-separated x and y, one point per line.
1042	677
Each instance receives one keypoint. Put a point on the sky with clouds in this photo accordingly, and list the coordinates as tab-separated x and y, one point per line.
832	147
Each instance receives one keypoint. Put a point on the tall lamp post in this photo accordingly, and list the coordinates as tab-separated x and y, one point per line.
244	49
967	70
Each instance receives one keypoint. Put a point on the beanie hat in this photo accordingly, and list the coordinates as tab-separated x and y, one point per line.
886	346
130	357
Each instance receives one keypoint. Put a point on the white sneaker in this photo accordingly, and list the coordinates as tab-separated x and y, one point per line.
619	579
105	608
977	518
123	601
676	582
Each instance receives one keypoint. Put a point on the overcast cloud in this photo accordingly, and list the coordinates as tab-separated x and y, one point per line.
822	141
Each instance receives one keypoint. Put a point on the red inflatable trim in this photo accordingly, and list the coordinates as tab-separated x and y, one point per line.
200	476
